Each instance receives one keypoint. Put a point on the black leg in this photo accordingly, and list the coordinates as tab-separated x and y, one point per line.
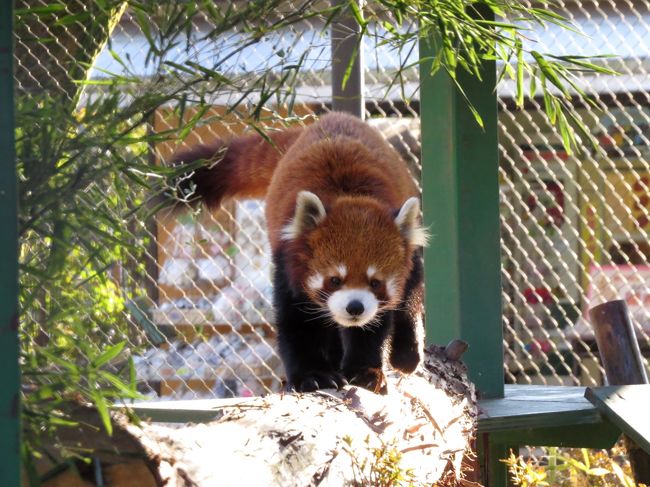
309	345
363	350
408	333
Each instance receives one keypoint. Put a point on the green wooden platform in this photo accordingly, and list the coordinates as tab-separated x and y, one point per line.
539	416
625	407
525	407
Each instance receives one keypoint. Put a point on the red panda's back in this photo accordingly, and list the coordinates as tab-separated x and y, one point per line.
339	155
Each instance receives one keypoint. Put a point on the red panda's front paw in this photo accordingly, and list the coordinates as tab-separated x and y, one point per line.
314	380
370	378
405	361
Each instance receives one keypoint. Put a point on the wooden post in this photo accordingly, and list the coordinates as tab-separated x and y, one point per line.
347	95
10	390
623	364
617	344
460	204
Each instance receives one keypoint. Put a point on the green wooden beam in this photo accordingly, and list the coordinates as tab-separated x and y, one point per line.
601	435
461	207
9	370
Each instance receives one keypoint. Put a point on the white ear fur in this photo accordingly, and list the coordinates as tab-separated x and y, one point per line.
309	213
407	220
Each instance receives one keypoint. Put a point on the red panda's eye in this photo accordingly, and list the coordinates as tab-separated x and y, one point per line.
335	281
375	284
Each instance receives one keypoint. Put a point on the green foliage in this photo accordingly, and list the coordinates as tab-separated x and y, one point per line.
378	466
75	193
573	467
464	34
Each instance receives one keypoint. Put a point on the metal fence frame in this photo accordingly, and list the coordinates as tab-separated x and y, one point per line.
9	351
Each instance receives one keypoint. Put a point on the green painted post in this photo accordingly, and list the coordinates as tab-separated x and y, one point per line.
461	207
9	370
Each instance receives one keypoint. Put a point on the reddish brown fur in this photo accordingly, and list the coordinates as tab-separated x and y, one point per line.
337	156
358	176
242	167
361	181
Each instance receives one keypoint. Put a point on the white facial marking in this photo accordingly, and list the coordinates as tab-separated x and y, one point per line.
315	282
372	270
342	270
391	288
339	301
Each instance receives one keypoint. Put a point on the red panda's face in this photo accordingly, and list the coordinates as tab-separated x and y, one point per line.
359	256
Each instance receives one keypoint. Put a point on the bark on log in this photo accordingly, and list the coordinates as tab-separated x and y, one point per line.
417	434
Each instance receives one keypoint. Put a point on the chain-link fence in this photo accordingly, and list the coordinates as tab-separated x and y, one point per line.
189	293
575	226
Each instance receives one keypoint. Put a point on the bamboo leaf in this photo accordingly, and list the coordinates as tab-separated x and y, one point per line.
598	471
46	10
102	408
356	12
568	139
549	71
72	367
109	354
125	389
520	73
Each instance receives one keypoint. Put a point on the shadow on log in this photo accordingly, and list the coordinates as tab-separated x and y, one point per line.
417	434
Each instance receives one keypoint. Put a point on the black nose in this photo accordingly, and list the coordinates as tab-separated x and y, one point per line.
354	307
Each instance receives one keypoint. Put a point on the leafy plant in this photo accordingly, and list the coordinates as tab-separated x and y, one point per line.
572	467
378	466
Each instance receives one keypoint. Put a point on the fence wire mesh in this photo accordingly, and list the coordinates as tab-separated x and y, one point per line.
575	226
189	294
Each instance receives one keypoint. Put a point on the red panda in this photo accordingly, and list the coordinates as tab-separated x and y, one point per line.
342	212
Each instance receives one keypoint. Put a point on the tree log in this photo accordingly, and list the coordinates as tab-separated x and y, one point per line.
416	434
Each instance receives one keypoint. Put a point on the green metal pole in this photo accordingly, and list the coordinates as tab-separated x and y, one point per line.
10	373
461	207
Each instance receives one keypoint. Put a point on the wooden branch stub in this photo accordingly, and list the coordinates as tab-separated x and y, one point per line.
455	349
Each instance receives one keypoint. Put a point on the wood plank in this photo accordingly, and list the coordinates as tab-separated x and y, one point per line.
546	393
537	407
196	410
530	415
625	406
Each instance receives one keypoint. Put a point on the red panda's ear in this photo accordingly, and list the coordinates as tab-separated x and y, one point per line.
309	213
408	222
